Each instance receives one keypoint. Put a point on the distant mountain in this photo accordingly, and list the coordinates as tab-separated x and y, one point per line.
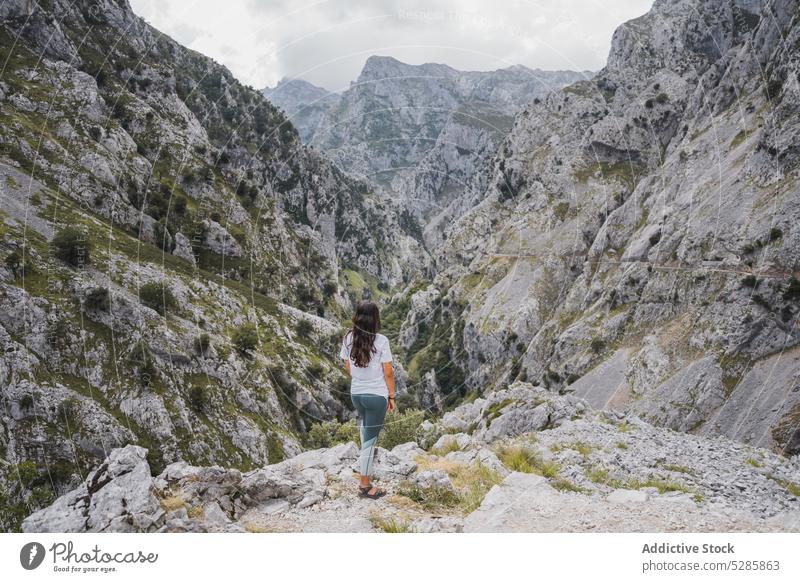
418	131
305	105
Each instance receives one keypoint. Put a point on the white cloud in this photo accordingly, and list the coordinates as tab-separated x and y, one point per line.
327	41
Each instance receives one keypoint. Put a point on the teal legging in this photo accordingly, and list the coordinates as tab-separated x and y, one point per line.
371	410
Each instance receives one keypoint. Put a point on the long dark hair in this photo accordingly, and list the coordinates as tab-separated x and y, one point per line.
366	323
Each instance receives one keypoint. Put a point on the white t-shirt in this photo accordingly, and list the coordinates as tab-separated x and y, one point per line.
368	380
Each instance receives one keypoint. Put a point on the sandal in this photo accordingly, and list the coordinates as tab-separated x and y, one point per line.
365	491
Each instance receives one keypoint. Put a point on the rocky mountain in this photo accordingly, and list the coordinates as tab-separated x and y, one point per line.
520	460
305	105
635	238
612	320
175	261
418	131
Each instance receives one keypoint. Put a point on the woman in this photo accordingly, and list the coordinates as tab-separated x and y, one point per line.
368	360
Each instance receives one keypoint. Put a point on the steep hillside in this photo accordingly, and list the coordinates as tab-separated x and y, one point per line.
635	239
168	246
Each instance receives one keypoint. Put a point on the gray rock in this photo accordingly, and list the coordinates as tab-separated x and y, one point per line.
628	496
116	497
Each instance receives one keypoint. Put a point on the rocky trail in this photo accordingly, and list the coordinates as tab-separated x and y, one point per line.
529	461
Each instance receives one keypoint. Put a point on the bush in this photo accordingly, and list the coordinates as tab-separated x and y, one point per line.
315	370
400	428
597	345
142	359
329	288
198	398
17	265
245	339
304	328
72	246
750	281
330	433
98	299
202	343
26	402
407	401
157	295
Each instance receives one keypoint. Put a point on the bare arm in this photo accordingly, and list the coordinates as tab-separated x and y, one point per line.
347	367
388	373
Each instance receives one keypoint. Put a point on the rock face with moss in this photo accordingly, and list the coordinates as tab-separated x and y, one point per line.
521	459
635	239
173	256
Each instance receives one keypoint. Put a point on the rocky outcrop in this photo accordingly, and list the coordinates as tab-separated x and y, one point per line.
573	470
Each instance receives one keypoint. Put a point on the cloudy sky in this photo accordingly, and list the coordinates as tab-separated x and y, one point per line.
327	41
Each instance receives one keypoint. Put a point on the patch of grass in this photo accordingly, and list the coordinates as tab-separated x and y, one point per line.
518	458
451	447
624	427
172	503
677	469
753	462
602	476
432	498
256	528
471	482
583	448
496	410
561	484
663	485
622	445
196	512
390	524
790	486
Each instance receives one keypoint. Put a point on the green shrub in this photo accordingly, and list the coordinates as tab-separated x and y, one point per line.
315	370
400	427
157	295
98	299
26	402
330	433
598	345
245	339
72	246
198	398
329	289
17	265
304	328
142	360
202	343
